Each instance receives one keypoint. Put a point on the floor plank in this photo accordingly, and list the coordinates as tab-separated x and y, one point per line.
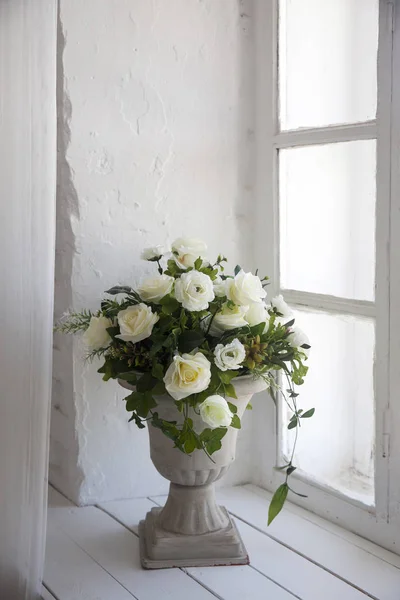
335	554
71	574
230	583
116	549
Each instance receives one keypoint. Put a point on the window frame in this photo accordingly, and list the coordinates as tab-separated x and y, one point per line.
375	523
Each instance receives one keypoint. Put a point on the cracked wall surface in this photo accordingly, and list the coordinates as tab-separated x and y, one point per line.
156	131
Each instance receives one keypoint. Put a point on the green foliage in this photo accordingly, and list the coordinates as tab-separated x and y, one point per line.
75	322
268	355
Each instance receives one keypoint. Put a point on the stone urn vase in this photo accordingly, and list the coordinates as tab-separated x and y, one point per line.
192	530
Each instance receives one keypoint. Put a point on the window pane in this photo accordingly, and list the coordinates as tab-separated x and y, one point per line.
327	219
327	61
336	446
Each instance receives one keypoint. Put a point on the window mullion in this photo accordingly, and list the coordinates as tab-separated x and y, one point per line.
326	135
329	303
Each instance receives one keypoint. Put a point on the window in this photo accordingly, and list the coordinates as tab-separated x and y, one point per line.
327	132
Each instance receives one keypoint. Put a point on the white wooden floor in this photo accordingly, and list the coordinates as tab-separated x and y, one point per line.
92	553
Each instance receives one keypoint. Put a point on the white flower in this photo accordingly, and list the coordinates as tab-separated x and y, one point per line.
245	288
215	412
187	374
219	287
155	288
297	338
153	253
229	357
136	323
227	318
279	303
187	250
96	336
257	313
194	290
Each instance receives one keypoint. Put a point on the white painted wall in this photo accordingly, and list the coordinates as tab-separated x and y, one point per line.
155	140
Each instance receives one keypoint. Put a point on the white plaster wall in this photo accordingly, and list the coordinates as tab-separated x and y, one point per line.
155	140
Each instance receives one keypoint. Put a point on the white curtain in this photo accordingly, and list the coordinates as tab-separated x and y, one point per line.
27	225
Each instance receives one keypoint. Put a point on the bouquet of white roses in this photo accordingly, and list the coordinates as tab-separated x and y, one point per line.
188	332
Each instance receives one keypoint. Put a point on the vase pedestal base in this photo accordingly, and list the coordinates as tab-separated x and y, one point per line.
161	549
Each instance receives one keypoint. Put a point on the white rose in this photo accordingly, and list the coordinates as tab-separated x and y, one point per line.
257	313
96	336
194	290
187	374
219	287
227	318
245	288
297	338
230	356
155	288
215	412
153	253
279	303
136	323
187	250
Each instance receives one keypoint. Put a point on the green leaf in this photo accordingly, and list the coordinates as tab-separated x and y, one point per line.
189	340
183	319
257	329
113	331
277	502
110	369
158	389
138	422
289	323
232	408
212	438
308	414
145	383
293	423
119	289
238	268
230	390
227	376
290	470
130	377
146	403
197	263
158	371
249	406
169	305
236	422
132	401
